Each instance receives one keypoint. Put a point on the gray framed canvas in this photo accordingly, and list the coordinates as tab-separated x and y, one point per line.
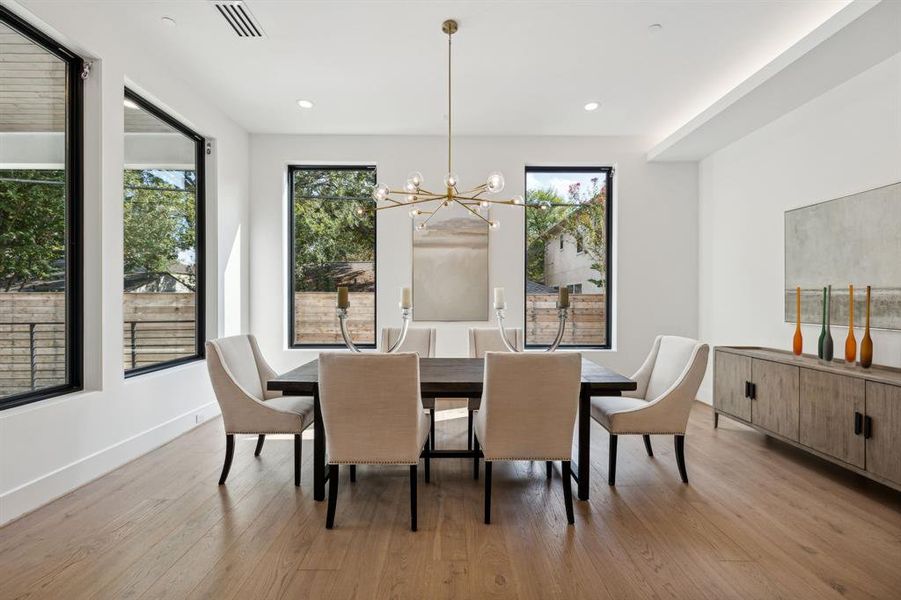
450	267
850	240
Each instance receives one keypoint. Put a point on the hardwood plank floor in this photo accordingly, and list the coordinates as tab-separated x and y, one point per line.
759	520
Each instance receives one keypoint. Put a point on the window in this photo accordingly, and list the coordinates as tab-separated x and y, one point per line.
40	215
580	210
332	244
163	222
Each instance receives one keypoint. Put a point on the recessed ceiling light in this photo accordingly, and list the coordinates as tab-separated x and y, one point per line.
304	104
168	21
129	103
655	27
592	106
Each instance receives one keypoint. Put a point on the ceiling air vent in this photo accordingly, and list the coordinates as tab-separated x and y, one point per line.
239	18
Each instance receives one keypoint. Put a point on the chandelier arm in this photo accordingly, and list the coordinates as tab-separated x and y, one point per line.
472	211
449	106
477	199
410	203
435	212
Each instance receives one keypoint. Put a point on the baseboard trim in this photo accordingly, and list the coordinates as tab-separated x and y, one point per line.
43	490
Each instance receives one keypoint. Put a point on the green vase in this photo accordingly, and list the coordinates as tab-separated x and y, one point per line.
823	330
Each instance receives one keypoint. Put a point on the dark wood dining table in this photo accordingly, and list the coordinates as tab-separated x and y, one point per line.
456	378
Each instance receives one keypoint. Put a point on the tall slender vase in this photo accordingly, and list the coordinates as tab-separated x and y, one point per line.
866	344
798	341
828	347
823	330
850	341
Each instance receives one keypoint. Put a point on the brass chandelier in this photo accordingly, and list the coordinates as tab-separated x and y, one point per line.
413	194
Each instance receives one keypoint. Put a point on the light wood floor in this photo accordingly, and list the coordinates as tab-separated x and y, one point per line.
759	520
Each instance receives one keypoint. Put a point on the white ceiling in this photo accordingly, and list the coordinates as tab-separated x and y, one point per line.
521	68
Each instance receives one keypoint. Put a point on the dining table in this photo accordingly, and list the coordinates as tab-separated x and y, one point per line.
457	378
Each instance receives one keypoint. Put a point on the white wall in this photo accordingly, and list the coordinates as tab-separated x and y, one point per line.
47	448
847	140
655	211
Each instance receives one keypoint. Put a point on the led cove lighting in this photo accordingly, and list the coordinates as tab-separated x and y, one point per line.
592	106
304	104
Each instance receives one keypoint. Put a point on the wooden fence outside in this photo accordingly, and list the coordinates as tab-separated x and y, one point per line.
156	328
586	326
315	321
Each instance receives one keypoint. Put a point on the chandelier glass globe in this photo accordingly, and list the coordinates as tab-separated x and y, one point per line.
495	182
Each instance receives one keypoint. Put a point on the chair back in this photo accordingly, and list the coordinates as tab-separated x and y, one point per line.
674	353
239	375
488	339
371	407
420	340
529	405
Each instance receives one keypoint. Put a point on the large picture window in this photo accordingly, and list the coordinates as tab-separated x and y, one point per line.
163	239
332	244
40	215
567	237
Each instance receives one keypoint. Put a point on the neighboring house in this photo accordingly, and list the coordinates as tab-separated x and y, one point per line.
179	279
567	264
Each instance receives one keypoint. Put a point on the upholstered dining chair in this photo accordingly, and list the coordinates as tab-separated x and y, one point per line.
239	375
528	412
420	340
668	383
372	414
482	340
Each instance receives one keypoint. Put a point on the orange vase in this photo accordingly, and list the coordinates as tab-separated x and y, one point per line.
798	342
851	341
866	344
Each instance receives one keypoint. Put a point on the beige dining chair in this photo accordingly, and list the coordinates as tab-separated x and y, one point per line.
482	340
420	340
372	414
668	383
528	412
239	374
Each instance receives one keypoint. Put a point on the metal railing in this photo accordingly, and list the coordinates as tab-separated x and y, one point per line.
33	353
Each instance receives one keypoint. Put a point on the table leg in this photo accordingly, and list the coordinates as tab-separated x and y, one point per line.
319	466
584	465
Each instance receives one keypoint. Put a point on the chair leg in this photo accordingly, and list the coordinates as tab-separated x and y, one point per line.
680	457
611	471
260	440
550	468
413	497
647	445
428	462
475	458
469	432
568	491
298	450
332	496
716	420
487	492
353	473
432	426
229	454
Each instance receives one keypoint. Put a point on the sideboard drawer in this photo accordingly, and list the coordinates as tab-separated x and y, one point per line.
883	431
830	405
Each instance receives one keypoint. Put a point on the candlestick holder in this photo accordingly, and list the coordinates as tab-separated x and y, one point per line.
562	316
406	314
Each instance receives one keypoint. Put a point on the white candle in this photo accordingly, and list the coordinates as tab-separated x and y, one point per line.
406	298
499	298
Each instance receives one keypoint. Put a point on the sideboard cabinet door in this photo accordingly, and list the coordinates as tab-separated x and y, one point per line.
884	443
731	373
828	405
774	397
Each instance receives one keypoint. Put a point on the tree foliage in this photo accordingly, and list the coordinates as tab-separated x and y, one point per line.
32	226
160	214
328	232
584	216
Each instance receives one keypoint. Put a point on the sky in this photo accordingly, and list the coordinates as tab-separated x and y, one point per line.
559	181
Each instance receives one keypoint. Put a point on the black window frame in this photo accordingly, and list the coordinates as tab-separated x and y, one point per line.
200	257
74	165
608	217
292	344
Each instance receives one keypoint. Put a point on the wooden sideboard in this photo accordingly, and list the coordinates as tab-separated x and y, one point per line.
845	414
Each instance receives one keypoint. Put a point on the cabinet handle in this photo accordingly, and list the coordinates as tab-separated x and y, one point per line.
747	389
753	391
867	427
858	423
